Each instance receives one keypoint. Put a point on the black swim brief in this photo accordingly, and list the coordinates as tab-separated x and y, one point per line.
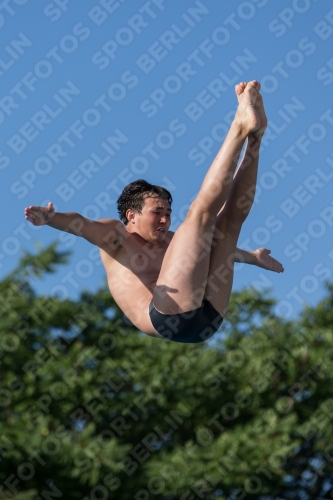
190	327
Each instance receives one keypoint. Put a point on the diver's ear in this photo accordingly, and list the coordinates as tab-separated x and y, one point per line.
130	216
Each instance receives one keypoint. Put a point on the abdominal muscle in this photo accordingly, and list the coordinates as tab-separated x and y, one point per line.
132	292
134	301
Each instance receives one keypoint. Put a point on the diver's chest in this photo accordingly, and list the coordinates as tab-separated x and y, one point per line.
146	262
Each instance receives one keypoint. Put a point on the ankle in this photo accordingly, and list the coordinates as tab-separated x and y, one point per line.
255	138
238	129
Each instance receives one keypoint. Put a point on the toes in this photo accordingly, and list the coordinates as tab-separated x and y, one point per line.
253	87
239	88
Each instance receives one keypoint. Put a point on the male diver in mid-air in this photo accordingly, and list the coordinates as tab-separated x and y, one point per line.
177	285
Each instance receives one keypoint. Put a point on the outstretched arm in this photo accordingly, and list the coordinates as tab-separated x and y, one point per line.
260	258
96	232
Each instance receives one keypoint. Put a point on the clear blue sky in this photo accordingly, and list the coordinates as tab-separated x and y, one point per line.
96	94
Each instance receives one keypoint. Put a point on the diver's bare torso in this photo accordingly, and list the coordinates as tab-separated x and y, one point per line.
132	267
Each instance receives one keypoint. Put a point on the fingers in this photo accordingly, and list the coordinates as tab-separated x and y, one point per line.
35	210
273	264
36	207
34	214
278	267
33	207
31	218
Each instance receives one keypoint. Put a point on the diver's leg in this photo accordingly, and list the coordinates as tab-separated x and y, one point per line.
182	280
230	219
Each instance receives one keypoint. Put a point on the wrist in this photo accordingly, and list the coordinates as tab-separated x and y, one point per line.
252	257
49	218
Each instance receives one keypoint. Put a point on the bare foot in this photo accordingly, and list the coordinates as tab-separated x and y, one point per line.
264	260
259	107
247	113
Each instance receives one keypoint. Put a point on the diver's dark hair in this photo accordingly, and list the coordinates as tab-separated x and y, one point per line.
134	194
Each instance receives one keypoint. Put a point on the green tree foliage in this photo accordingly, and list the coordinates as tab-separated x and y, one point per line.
93	409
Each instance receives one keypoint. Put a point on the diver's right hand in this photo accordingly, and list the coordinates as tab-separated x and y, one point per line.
39	216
